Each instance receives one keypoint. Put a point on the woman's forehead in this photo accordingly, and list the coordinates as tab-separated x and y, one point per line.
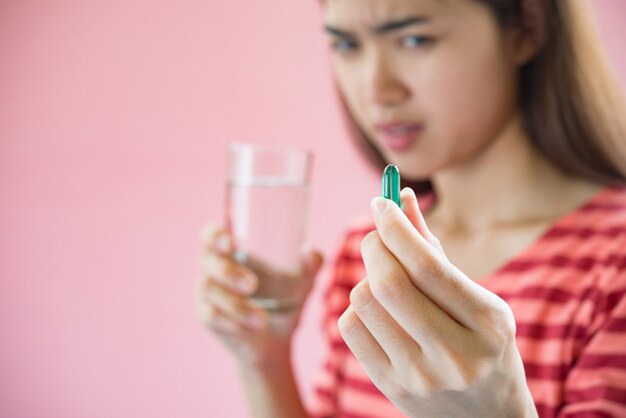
372	13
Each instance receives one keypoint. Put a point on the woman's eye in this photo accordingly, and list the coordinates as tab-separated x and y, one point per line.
415	41
344	45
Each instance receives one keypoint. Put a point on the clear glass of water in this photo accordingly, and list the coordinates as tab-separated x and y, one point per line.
266	207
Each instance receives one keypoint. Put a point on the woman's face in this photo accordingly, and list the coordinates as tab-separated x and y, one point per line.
430	82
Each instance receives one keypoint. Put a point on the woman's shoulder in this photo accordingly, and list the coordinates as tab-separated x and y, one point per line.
611	198
603	215
356	229
360	225
592	241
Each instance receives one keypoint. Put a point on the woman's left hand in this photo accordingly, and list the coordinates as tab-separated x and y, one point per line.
433	341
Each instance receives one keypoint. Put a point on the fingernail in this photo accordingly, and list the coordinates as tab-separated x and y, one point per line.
255	321
378	205
244	284
223	243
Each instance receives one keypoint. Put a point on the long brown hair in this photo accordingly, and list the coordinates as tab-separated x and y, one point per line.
571	103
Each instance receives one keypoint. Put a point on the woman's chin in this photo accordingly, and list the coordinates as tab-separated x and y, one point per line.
414	178
411	169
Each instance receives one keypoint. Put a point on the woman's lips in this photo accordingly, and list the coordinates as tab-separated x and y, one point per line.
398	136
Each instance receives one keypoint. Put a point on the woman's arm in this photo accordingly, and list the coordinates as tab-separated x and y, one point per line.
259	341
271	389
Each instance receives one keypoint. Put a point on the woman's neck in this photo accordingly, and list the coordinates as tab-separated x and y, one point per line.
507	183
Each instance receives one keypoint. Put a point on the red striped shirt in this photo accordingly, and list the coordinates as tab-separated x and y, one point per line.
567	293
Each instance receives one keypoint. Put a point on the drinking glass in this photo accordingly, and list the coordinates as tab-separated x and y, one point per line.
266	207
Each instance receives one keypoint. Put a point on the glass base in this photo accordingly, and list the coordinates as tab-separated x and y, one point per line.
275	305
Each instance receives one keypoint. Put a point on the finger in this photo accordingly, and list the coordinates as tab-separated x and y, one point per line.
443	283
363	345
410	207
390	336
300	277
374	360
425	322
235	307
229	274
215	238
308	265
211	317
311	262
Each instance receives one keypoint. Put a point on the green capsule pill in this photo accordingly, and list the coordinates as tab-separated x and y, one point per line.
391	184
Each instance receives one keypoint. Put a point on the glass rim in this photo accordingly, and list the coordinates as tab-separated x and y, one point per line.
284	148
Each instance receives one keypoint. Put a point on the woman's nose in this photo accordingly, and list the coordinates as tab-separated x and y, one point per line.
384	86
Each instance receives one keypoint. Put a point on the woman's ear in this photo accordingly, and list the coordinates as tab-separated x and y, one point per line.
525	49
530	35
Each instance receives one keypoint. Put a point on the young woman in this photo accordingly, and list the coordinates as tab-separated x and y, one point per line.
502	293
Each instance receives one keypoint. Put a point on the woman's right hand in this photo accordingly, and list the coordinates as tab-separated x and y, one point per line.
256	337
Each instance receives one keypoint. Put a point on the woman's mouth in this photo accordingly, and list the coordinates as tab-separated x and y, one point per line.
398	136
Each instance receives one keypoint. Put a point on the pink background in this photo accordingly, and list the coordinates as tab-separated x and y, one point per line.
114	118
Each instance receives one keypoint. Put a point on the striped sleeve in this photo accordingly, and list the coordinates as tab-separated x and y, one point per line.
336	300
596	384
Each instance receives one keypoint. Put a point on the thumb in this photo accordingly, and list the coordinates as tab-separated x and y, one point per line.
312	261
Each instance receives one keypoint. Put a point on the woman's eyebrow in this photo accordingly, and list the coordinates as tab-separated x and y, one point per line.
382	28
398	24
338	32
